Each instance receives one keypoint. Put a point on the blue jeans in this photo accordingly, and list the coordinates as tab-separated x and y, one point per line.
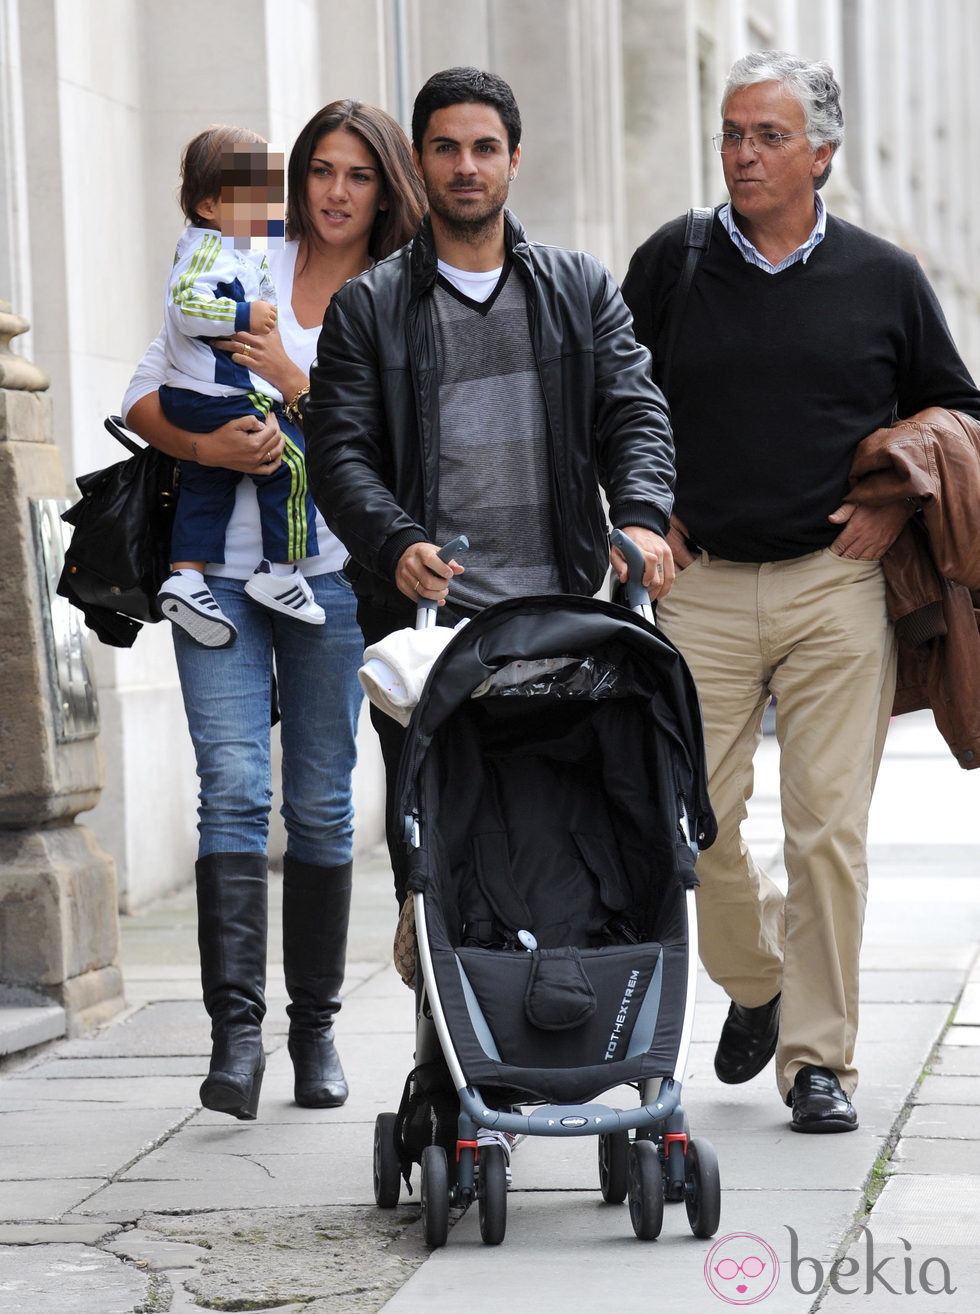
227	695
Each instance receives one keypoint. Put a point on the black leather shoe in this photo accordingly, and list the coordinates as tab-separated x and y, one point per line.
748	1041
819	1104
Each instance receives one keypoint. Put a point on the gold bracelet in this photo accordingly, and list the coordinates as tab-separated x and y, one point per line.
292	407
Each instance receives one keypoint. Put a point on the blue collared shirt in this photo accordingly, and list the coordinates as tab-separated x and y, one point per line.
755	257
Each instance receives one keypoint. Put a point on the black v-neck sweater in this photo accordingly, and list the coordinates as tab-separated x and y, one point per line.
777	377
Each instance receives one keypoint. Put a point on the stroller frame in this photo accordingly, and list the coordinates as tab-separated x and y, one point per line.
661	1161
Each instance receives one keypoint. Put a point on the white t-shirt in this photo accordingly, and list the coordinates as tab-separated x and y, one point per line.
475	285
243	538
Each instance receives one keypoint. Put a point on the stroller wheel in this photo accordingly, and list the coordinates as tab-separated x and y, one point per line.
434	1195
613	1166
646	1190
387	1167
493	1195
702	1188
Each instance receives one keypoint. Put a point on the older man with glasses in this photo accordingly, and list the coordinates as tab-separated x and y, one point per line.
798	335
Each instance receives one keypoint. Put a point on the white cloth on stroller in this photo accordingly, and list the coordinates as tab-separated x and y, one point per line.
396	667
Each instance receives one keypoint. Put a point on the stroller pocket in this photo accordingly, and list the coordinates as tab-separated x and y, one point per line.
559	993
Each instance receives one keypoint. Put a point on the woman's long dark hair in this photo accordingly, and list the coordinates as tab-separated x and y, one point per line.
400	184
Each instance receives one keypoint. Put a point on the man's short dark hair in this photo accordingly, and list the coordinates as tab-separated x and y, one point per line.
461	86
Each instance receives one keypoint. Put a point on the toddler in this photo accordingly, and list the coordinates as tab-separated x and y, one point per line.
233	197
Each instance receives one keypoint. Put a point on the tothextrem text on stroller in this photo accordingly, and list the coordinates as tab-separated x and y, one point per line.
554	794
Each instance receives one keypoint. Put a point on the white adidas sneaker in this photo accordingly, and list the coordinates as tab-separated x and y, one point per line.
289	594
187	602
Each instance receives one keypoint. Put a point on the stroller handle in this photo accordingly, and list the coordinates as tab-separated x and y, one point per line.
425	612
639	599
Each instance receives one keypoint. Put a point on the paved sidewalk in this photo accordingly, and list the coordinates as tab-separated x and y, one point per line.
119	1195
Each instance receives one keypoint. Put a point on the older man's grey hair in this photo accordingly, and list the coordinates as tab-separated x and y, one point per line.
812	84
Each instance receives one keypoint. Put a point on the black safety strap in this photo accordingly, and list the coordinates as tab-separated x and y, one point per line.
697	238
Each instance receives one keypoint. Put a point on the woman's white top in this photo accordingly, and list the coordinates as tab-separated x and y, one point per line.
243	538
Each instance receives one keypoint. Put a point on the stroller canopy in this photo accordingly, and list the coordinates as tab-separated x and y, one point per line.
618	652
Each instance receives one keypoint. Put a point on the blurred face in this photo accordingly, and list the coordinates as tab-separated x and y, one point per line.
770	182
466	165
344	189
250	210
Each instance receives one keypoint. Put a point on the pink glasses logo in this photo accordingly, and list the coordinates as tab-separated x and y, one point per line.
741	1268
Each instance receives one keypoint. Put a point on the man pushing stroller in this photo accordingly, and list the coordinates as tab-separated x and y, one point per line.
529	379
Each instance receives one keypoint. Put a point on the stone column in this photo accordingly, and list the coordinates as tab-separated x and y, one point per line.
59	932
663	126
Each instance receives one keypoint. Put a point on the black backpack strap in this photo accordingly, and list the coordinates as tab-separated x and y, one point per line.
697	239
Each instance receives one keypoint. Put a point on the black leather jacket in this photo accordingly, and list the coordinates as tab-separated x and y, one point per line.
372	420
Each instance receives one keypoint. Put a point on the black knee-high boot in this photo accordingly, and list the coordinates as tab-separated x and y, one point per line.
315	913
232	922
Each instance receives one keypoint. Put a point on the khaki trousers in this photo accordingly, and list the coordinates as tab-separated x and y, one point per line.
814	632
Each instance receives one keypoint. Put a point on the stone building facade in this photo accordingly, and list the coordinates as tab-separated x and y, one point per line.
619	99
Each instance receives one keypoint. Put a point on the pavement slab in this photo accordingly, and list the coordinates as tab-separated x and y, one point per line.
105	1090
91	1140
969	1037
151	1031
891	985
54	1068
42	1234
151	1251
935	1156
915	957
968	1010
930	1211
957	1122
940	1088
68	1279
956	1061
44	1199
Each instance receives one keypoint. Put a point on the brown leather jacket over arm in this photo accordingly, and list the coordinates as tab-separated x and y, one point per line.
932	571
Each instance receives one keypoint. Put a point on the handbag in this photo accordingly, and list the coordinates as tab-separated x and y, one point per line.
403	949
119	553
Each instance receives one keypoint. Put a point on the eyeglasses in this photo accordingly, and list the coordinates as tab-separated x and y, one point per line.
729	142
750	1267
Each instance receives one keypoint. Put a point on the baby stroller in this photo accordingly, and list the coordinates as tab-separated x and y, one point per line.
554	795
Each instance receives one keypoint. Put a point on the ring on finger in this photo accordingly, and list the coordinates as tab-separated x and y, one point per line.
246	349
418	586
